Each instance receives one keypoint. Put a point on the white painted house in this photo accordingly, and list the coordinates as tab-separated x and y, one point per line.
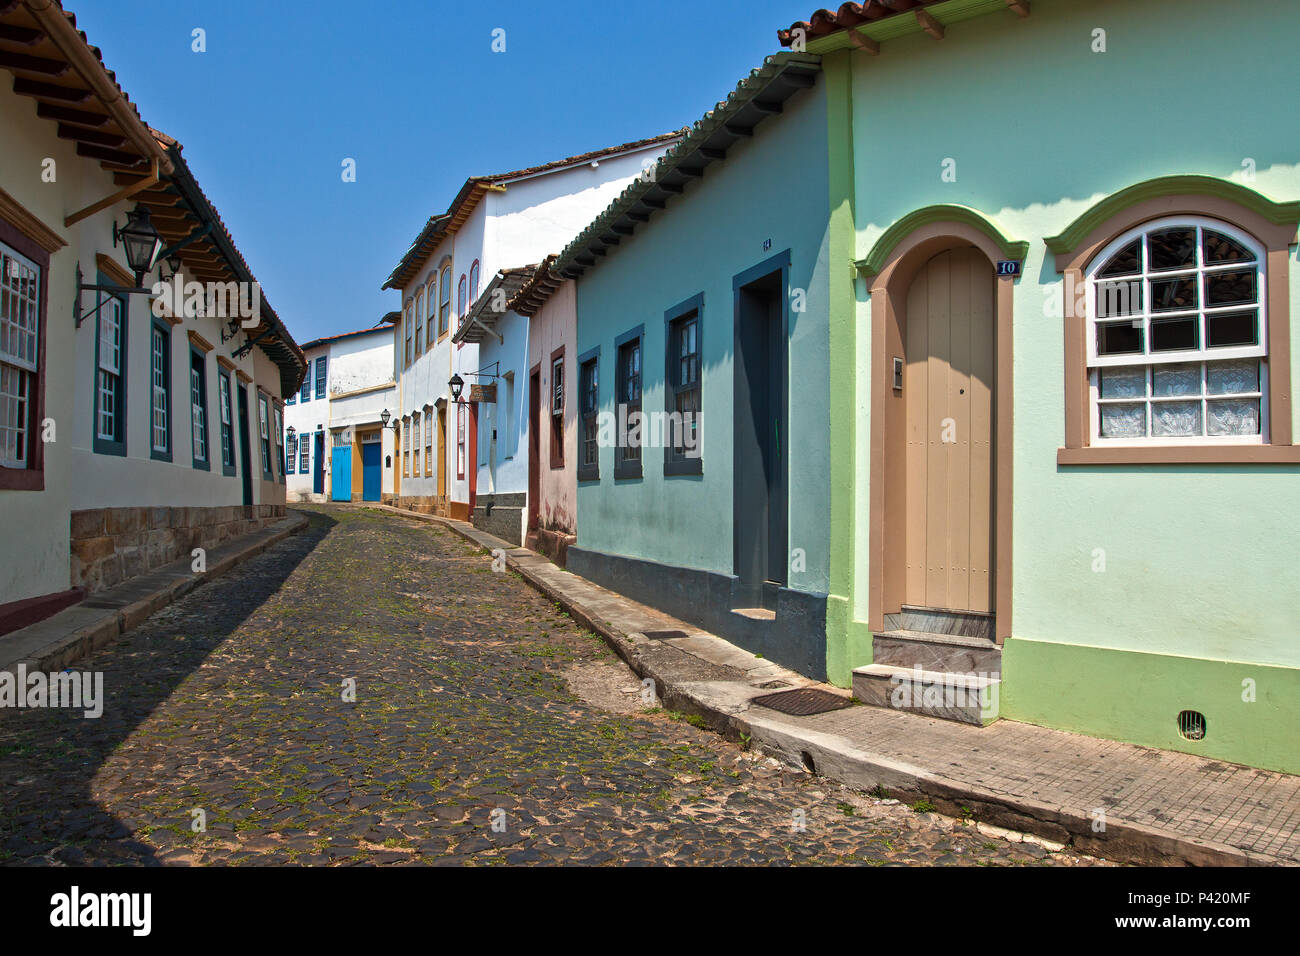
128	435
339	448
496	225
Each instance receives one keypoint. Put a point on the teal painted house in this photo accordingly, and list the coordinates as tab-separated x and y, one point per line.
988	318
706	319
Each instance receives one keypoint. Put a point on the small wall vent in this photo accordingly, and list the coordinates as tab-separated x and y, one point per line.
1191	725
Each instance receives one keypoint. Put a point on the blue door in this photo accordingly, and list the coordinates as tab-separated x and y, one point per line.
371	454
341	482
318	475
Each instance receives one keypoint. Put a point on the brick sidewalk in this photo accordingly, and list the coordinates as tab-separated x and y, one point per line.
1102	797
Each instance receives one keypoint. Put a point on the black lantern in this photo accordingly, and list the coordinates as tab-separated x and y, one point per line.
456	383
174	263
384	416
141	240
290	432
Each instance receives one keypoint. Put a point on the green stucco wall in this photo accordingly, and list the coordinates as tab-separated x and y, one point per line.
1200	562
771	187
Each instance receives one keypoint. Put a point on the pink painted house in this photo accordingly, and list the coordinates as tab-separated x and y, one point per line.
554	399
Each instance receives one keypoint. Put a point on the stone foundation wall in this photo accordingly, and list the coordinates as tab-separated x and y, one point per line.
501	515
552	543
420	504
110	545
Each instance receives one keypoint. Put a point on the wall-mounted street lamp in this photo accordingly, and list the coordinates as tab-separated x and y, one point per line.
457	384
290	432
142	243
384	416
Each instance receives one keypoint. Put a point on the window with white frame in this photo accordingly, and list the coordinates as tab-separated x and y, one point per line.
1176	335
512	423
198	407
109	384
428	442
405	432
430	310
160	390
406	325
419	322
304	454
20	285
415	444
227	427
444	298
279	440
291	452
460	440
264	431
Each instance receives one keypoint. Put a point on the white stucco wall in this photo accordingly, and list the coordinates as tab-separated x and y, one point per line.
36	523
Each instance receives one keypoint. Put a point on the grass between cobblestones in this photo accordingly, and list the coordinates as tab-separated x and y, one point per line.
466	741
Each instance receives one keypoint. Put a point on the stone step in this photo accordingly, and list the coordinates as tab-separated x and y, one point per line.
755	613
936	652
966	698
935	620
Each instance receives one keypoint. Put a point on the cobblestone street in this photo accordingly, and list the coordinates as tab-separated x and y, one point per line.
476	701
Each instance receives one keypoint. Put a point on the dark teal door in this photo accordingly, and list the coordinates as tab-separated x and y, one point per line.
371	459
318	475
341	473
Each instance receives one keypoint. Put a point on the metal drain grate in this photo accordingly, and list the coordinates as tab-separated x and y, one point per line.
803	701
663	635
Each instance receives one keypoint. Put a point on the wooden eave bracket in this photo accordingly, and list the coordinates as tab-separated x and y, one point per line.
929	24
124	193
864	42
1020	6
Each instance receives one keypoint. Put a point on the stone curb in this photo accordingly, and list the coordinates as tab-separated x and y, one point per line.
838	759
86	629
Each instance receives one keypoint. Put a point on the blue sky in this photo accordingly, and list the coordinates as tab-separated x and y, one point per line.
412	90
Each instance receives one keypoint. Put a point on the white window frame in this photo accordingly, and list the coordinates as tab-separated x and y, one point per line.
108	375
159	410
264	433
1199	356
20	344
428	442
415	444
198	413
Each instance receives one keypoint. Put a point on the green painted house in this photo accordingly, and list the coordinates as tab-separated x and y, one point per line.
1063	254
1038	459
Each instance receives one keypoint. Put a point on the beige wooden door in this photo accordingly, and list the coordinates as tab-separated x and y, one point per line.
948	389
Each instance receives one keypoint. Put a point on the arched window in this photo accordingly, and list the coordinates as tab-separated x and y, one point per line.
406	325
419	322
473	282
460	300
431	309
1176	336
444	301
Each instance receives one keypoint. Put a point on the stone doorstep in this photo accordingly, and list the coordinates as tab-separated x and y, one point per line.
75	632
952	696
725	708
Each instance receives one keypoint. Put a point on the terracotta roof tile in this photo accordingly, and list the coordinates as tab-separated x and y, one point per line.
440	225
755	98
825	22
